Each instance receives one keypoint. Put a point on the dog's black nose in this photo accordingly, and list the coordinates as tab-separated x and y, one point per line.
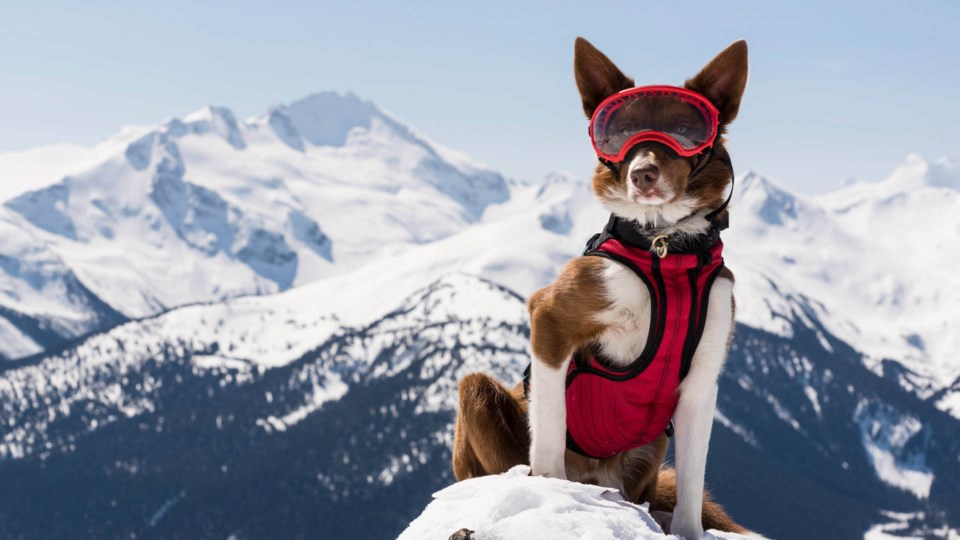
645	177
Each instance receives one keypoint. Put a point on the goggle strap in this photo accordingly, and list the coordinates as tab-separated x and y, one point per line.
733	178
610	165
703	159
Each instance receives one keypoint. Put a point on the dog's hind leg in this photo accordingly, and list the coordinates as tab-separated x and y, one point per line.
639	470
491	433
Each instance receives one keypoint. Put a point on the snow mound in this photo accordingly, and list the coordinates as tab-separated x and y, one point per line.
515	505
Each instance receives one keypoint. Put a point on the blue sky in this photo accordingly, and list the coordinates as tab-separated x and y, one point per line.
837	90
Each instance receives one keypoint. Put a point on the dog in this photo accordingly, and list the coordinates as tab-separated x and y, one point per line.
633	336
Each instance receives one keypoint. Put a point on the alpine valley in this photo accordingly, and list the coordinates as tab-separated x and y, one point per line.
250	329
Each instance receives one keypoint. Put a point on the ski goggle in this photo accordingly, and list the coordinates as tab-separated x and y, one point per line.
681	119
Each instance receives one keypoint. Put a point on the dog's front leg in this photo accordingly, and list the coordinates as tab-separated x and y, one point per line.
694	416
562	318
551	353
548	418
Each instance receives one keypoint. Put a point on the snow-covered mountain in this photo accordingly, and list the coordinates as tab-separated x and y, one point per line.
874	262
205	208
338	273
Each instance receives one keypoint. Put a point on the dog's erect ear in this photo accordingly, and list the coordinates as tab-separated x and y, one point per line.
723	80
597	77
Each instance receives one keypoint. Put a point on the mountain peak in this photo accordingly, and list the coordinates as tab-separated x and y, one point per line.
753	185
765	198
327	99
326	118
752	180
211	118
211	113
918	172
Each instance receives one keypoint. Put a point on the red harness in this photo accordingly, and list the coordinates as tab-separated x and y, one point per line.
614	409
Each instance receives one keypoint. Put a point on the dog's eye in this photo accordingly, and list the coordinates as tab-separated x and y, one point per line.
681	130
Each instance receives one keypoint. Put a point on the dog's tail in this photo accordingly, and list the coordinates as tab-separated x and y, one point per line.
714	516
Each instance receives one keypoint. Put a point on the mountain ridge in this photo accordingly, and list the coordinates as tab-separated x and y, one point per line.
207	208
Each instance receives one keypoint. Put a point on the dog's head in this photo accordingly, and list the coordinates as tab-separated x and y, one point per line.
653	186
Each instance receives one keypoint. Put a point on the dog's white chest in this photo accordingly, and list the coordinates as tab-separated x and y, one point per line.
628	318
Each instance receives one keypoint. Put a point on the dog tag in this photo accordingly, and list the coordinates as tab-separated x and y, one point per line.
660	246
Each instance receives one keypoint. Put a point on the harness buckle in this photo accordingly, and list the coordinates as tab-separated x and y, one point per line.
660	245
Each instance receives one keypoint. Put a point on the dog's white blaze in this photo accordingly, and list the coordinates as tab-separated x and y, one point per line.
694	416
639	161
628	318
548	418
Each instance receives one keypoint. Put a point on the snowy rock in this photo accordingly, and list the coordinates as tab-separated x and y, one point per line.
514	505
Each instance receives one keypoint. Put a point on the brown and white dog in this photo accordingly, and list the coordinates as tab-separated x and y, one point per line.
596	303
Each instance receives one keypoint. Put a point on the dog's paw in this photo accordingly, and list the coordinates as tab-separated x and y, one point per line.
551	473
546	464
689	529
554	471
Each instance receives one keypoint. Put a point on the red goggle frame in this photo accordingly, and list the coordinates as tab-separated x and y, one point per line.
683	120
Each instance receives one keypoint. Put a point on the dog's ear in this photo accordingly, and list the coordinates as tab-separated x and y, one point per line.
597	77
723	80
